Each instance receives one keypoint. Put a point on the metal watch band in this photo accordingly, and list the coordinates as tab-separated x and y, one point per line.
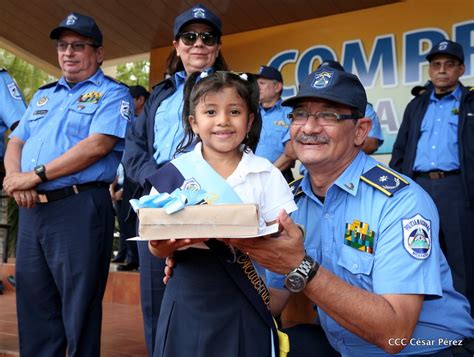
308	268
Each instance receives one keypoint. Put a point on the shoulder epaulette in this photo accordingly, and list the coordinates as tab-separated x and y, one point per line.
384	179
115	80
2	69
295	187
49	85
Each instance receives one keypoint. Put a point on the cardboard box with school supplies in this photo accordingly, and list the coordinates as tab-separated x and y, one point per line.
201	221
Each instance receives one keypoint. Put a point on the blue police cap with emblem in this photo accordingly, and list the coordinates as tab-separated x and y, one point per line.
198	13
82	24
447	47
330	84
270	73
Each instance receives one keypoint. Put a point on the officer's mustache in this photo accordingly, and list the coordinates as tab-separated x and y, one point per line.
312	139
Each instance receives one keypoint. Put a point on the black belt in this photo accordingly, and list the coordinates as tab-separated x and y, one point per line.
59	194
436	175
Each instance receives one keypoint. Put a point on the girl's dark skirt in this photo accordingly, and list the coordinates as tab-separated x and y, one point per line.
204	313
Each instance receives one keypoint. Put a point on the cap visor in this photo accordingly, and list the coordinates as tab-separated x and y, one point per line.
290	102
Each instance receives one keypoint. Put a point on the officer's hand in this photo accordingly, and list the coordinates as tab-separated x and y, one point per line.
165	248
170	263
20	181
281	253
27	198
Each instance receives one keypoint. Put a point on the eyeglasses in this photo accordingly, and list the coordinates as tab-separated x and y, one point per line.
77	46
189	38
447	64
324	118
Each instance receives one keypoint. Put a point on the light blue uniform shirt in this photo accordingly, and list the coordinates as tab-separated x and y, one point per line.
376	131
169	129
390	268
275	131
437	147
59	117
12	106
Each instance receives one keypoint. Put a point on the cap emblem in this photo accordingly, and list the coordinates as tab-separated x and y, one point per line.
199	13
71	20
443	46
322	79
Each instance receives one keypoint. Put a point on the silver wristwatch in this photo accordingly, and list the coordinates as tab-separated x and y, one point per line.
297	279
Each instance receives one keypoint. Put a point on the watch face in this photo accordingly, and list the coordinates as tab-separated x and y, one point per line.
295	282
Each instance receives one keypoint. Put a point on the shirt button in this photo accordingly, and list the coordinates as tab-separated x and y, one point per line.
439	120
33	160
327	215
436	133
433	147
355	266
432	164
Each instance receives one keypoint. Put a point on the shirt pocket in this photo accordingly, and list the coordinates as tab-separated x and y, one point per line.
79	120
453	119
356	267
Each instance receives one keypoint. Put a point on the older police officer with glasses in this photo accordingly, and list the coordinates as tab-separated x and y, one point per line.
154	137
60	161
371	260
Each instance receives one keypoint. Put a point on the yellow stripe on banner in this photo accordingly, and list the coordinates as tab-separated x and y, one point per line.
394	174
388	193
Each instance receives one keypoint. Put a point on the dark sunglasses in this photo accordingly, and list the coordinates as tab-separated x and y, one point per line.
189	38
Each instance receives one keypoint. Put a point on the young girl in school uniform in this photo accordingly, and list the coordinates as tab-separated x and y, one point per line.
215	304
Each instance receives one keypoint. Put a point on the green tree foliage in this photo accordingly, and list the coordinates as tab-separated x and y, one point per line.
134	73
28	77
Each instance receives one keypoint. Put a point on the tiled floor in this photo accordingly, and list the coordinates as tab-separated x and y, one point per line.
122	326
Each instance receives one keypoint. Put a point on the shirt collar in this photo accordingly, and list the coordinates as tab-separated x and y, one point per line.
276	106
97	78
180	78
248	164
349	179
457	92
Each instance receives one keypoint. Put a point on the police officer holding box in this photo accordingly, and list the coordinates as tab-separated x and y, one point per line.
60	161
371	260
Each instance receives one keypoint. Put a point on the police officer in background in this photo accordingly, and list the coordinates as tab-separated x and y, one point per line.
435	146
59	162
12	107
140	96
371	260
121	191
275	123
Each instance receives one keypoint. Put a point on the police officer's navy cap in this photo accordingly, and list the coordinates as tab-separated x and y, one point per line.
332	64
198	13
82	24
270	73
447	47
331	84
